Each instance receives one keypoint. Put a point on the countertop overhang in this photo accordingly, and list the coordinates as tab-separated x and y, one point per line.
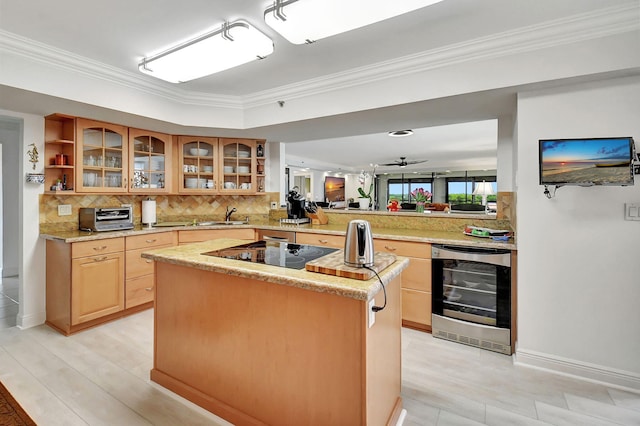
190	255
400	234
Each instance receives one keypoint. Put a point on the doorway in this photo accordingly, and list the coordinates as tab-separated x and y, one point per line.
11	129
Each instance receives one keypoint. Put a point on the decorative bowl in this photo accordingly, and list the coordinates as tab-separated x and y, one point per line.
35	178
198	151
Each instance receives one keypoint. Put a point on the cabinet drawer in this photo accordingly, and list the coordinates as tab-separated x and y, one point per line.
403	248
195	236
325	240
151	240
135	265
417	275
139	290
416	306
96	247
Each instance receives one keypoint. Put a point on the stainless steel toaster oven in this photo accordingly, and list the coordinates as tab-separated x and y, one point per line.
106	219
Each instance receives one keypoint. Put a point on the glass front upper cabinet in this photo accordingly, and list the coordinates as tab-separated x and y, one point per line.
101	157
198	171
150	161
238	165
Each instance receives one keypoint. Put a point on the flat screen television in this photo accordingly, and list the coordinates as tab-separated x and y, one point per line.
587	162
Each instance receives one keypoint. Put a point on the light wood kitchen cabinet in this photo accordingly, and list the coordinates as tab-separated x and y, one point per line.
219	166
416	280
150	155
85	283
101	157
139	272
323	240
238	164
197	169
198	235
97	287
98	157
59	152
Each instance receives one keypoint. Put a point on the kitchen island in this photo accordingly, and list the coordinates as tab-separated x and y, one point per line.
258	344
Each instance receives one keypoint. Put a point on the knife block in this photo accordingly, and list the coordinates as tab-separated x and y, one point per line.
318	218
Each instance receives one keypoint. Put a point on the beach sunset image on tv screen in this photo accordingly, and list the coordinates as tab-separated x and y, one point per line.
601	161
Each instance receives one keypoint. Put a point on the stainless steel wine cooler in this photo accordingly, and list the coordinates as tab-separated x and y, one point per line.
471	290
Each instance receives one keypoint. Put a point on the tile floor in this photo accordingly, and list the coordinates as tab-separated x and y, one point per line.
100	377
8	302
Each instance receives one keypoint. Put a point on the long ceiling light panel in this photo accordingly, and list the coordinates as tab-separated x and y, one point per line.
305	21
233	44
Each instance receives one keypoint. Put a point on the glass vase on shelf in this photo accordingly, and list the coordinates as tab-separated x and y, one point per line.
420	207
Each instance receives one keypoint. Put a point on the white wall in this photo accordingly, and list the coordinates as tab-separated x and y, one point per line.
29	247
578	259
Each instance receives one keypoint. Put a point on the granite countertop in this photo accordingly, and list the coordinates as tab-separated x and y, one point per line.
190	255
403	234
400	234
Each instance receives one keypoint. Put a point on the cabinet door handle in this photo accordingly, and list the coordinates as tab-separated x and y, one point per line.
323	241
390	248
100	248
124	183
150	241
149	288
100	259
148	260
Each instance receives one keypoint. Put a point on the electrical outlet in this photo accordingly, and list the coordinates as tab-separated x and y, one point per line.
372	315
632	211
274	205
64	210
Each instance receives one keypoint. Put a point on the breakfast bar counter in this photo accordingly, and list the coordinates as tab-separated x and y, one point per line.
259	344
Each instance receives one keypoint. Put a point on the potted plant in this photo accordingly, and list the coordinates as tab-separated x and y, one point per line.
421	196
365	197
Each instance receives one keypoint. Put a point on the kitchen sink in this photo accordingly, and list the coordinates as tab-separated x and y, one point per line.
222	222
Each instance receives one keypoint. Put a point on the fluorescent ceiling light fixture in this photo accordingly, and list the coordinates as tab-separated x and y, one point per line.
305	21
231	45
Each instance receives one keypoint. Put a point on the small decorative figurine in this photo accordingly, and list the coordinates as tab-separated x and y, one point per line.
33	155
393	206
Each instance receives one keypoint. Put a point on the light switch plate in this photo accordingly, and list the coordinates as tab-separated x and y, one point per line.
632	211
64	210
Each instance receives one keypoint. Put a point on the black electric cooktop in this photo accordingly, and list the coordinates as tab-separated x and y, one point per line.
275	253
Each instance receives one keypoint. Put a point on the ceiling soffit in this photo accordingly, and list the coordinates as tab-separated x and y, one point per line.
593	25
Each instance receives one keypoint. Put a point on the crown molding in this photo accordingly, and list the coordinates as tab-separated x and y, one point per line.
588	26
559	32
67	61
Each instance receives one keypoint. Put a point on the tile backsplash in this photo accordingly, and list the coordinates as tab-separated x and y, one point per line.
169	207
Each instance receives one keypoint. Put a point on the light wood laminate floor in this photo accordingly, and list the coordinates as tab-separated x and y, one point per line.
8	301
101	377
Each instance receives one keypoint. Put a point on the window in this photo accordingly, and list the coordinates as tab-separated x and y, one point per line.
460	190
400	189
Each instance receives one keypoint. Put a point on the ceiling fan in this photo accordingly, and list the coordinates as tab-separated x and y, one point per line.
403	162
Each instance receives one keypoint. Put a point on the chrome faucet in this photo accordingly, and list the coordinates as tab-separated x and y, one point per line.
227	217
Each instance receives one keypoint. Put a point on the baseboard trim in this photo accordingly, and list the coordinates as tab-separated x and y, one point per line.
9	272
27	321
620	379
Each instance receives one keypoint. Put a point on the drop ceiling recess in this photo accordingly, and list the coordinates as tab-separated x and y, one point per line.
236	43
